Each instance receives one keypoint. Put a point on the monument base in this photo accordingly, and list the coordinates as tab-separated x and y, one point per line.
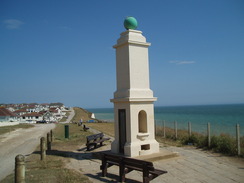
161	155
139	148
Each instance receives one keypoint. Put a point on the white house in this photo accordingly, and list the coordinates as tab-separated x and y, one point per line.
21	112
48	116
7	116
33	108
44	107
31	117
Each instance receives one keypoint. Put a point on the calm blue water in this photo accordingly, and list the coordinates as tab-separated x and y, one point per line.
223	118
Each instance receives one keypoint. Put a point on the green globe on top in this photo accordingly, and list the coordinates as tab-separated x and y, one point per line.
130	23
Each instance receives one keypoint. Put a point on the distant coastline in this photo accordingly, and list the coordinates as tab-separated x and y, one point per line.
221	116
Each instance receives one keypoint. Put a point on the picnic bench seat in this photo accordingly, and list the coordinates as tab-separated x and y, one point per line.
127	165
93	140
85	128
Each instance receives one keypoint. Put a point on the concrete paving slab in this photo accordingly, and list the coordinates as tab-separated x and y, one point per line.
191	165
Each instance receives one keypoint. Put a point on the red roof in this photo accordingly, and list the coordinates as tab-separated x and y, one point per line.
20	110
32	114
6	112
42	112
53	110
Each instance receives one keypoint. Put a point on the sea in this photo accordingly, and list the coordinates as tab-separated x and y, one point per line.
223	119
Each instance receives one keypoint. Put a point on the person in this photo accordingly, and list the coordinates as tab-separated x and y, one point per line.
81	121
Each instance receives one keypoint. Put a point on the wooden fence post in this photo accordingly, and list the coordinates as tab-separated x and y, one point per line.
176	135
209	136
51	134
19	169
48	142
238	139
189	128
164	128
43	149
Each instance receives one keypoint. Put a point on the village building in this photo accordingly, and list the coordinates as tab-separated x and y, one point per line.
21	112
31	117
7	116
33	112
49	117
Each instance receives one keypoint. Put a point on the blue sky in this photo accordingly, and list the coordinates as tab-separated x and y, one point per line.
61	51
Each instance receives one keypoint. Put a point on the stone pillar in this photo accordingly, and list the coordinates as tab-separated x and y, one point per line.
133	100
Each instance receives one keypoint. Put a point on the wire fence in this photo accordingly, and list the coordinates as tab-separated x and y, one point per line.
229	134
215	129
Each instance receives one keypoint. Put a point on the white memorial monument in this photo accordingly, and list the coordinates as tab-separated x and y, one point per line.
133	100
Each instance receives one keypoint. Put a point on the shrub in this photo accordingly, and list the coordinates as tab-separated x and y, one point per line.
202	142
193	139
224	144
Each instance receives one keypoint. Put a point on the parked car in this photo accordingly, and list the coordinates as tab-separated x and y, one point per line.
43	121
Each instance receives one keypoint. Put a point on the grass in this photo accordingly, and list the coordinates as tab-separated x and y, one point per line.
81	113
7	129
107	128
51	171
223	143
77	136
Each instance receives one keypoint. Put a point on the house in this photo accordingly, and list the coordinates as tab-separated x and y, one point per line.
12	109
7	116
31	117
44	107
49	117
57	113
32	108
21	112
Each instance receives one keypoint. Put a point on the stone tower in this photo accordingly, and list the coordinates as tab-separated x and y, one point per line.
133	99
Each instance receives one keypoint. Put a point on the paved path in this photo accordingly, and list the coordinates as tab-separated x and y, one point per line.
195	165
21	141
192	166
71	115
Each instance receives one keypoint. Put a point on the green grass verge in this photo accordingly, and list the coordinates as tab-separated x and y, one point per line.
77	136
81	113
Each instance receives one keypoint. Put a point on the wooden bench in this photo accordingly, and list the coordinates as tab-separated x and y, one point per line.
85	128
93	140
127	165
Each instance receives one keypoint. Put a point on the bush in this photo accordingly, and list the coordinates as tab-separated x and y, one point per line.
224	144
193	139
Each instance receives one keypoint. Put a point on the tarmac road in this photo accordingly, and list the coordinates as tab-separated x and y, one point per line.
21	141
